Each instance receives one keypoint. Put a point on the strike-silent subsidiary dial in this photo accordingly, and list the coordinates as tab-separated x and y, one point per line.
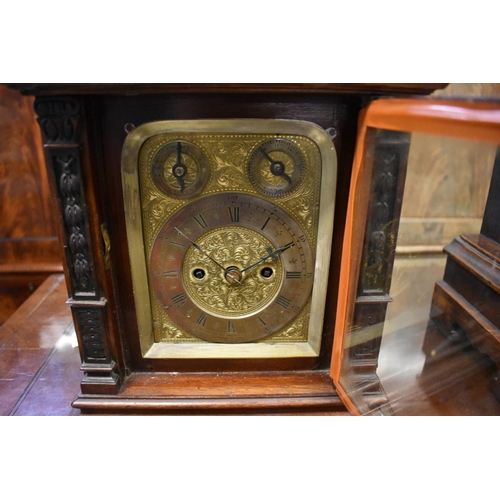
276	167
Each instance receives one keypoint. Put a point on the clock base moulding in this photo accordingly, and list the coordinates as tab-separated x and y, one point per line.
247	392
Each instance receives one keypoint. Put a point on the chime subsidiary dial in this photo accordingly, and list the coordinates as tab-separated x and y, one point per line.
180	169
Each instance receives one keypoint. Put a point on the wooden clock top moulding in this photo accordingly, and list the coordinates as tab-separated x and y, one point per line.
374	89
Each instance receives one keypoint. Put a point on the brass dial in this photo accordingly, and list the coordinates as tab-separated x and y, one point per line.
276	167
233	262
180	169
232	267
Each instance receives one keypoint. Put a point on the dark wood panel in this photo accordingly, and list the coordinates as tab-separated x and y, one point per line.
491	221
472	273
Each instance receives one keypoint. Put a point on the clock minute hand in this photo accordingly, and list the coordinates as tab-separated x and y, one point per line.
199	248
270	255
207	255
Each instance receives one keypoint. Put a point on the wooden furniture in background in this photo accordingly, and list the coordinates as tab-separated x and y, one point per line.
447	183
29	251
466	302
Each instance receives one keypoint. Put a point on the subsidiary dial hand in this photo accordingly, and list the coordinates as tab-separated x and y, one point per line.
179	170
277	167
227	272
271	255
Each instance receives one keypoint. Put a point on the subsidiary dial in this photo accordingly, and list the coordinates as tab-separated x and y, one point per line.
276	167
180	169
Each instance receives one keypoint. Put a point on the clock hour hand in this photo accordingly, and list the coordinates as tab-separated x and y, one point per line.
277	167
229	273
179	170
271	254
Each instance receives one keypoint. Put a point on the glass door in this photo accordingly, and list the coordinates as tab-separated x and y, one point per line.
418	321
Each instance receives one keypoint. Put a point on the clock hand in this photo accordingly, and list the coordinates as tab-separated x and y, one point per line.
271	254
179	170
277	167
263	151
199	248
179	157
226	272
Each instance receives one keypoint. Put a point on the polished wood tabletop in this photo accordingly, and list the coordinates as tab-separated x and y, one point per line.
39	359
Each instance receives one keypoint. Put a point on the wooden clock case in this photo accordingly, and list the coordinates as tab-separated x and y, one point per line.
83	131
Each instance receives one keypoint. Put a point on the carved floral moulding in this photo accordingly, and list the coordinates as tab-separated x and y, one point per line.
59	120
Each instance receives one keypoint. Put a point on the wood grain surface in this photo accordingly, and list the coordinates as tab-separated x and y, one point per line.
447	182
29	249
25	209
38	373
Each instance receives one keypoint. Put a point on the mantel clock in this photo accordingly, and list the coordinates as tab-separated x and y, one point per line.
201	228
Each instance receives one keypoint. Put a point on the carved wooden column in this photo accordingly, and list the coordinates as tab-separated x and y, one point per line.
65	139
387	155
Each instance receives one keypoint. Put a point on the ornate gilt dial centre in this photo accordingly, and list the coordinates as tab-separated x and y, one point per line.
228	290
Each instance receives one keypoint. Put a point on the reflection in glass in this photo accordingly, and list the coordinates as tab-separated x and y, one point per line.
395	359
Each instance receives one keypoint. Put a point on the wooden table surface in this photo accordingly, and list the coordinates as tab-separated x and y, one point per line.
39	360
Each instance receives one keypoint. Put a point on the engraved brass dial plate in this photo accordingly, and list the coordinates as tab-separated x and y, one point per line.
229	224
225	289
